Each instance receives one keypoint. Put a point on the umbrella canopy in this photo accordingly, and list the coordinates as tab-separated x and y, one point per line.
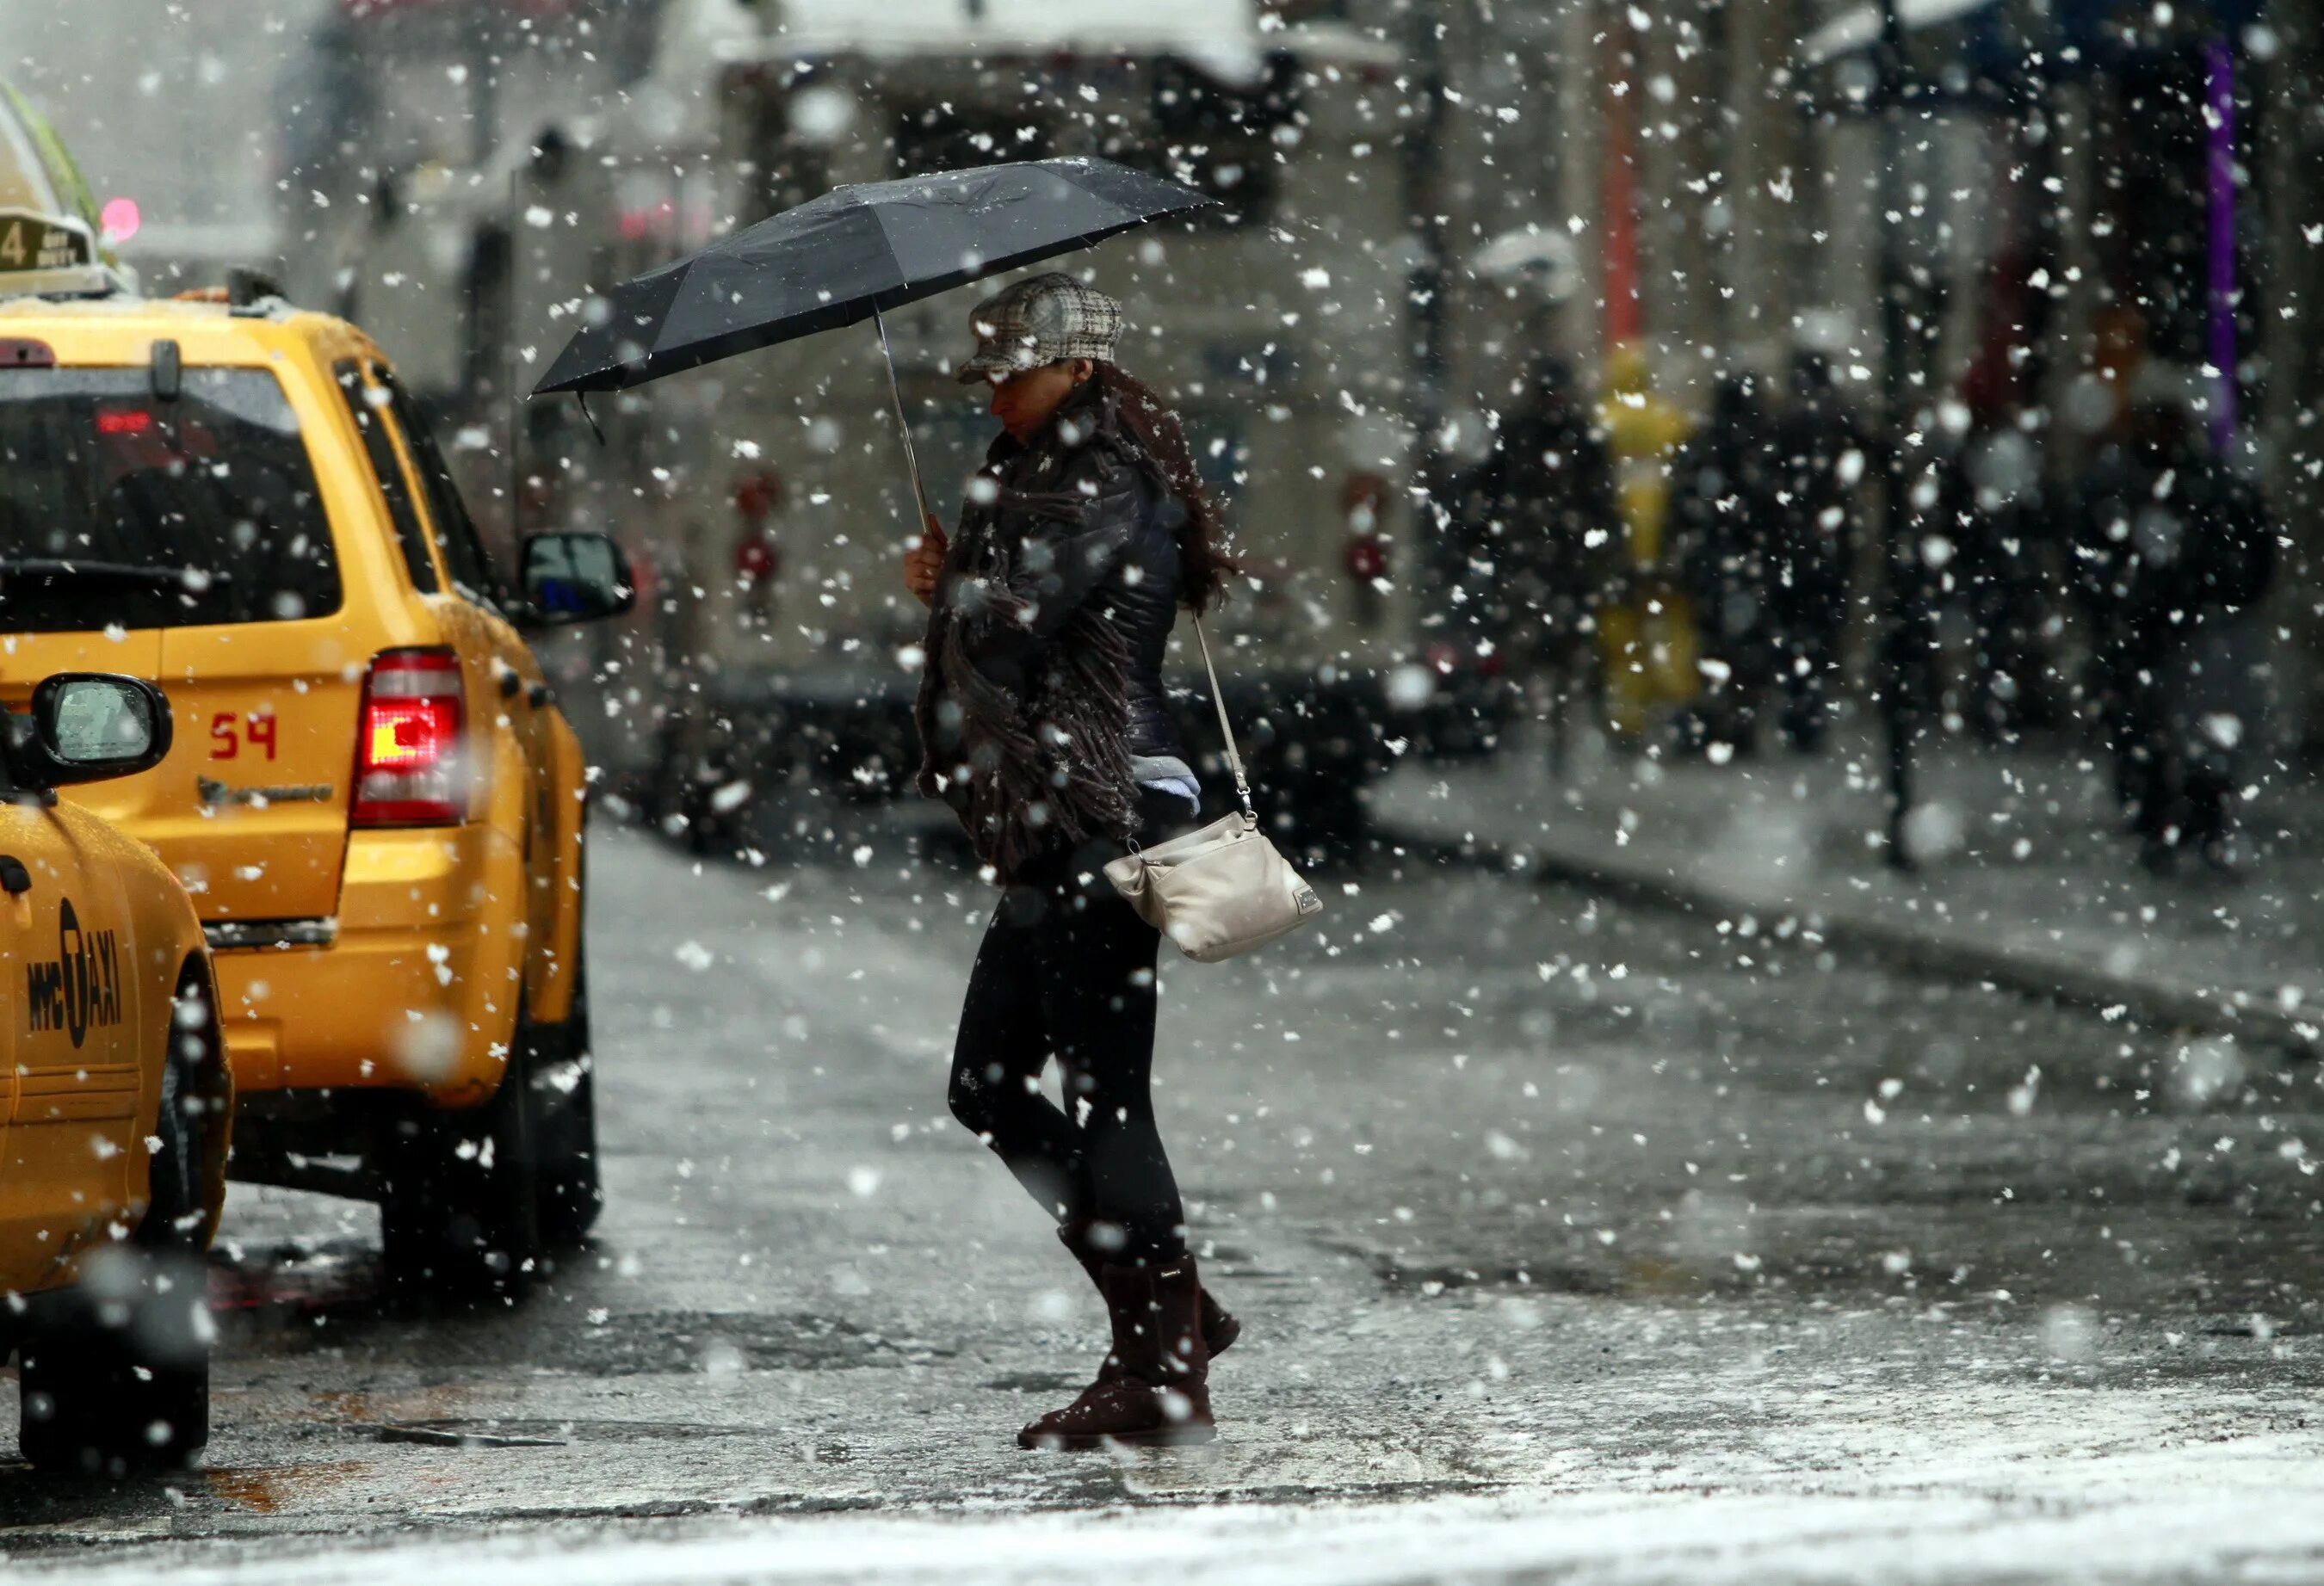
854	253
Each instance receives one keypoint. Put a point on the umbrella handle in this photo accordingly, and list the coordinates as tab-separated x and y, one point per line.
903	425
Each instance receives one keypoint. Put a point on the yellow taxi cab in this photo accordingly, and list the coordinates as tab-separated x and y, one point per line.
114	1097
378	805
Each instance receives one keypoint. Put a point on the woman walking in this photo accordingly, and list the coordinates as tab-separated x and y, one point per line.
1045	724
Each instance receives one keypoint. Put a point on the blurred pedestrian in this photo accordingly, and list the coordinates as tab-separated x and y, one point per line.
2003	528
1822	456
1538	529
1724	524
2174	551
1045	724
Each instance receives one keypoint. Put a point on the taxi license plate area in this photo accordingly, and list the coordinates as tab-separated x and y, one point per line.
251	809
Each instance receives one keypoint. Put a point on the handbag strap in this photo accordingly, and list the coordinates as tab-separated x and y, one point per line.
1226	728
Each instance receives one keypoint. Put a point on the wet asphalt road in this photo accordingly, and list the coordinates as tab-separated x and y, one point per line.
1524	1196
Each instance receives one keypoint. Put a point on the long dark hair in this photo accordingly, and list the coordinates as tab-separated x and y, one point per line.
1203	563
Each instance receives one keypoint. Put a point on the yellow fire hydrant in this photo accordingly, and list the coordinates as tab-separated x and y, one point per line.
1646	628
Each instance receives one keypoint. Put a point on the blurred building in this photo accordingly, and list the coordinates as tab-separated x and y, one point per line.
2080	185
2080	188
173	113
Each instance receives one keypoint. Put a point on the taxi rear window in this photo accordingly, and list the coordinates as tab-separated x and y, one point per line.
120	509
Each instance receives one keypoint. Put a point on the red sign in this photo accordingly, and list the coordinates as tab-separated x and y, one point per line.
757	558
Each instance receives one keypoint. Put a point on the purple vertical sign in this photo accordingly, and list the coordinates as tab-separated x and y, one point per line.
2220	101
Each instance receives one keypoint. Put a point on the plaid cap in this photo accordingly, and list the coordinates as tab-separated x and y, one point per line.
1041	319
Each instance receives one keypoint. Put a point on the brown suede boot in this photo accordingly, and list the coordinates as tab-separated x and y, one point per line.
1154	1389
1220	1326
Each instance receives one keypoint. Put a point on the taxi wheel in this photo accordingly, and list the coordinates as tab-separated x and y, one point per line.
561	1076
115	1371
456	1209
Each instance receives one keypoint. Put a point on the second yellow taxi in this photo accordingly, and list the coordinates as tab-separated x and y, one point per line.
376	804
115	1099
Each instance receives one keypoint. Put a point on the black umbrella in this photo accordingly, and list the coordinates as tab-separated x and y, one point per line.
848	256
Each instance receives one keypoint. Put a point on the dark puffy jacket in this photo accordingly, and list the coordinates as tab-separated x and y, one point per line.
1046	641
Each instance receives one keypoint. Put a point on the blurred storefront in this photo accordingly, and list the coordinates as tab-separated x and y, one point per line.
2082	186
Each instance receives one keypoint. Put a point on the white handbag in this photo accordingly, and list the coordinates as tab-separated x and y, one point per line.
1222	889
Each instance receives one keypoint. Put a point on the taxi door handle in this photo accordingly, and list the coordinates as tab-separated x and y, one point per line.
15	879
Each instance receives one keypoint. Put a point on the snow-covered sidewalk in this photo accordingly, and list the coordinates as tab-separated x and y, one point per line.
2024	878
2109	1513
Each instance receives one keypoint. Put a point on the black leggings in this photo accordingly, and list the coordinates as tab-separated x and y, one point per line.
1066	969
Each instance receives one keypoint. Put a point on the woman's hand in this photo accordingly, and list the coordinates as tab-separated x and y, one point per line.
924	562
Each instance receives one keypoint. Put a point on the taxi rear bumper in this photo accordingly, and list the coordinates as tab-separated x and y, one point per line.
413	985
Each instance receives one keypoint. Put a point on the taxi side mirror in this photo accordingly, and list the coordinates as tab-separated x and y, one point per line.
574	579
88	727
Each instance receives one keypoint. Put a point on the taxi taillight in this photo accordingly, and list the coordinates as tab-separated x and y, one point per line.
411	761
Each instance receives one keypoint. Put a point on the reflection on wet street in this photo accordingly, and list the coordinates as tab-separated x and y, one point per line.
1515	1190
